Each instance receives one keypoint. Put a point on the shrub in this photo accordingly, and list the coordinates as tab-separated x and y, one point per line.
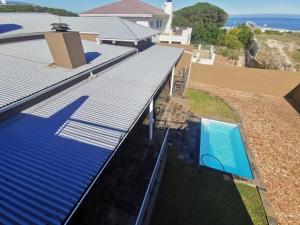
236	38
245	35
228	53
274	32
258	31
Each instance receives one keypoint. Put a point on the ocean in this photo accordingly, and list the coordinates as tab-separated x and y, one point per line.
278	22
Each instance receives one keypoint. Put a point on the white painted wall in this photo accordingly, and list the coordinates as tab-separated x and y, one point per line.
168	9
184	38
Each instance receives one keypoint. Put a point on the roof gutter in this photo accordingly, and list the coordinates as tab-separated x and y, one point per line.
121	142
125	40
118	15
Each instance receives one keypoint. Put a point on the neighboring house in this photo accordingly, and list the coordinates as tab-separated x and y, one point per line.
146	15
109	29
3	2
133	10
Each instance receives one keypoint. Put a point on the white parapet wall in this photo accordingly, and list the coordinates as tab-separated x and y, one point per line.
210	61
184	38
197	58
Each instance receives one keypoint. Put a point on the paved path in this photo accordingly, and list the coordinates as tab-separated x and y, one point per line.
272	130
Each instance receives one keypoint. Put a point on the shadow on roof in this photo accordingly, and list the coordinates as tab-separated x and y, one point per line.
52	159
4	28
90	56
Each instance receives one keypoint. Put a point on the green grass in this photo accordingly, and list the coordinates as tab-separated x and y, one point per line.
193	196
206	105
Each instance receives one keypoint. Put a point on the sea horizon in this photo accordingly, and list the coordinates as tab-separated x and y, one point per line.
286	22
266	15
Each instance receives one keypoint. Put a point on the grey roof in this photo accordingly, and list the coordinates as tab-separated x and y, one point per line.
52	153
26	67
108	28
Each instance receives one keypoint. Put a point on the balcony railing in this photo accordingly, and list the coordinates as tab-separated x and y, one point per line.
153	182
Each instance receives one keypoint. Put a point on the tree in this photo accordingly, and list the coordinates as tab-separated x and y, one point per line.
35	8
205	19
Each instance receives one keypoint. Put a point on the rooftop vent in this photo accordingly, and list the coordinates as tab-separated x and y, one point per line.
60	27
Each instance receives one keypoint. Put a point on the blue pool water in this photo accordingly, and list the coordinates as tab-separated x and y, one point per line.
222	148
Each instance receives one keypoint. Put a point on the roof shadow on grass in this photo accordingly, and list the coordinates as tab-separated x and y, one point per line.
4	28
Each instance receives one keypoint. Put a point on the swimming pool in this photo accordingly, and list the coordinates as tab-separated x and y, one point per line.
222	148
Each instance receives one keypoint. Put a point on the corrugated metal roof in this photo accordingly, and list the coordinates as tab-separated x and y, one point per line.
108	27
50	155
25	67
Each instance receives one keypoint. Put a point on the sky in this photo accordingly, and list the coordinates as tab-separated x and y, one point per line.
233	7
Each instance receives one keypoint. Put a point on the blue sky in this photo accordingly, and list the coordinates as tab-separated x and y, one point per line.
231	6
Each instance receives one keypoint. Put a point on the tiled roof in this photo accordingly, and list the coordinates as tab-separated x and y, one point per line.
133	7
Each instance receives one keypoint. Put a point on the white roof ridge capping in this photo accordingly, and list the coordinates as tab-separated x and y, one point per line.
110	28
68	142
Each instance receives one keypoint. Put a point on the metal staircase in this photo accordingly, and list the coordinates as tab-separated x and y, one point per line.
180	82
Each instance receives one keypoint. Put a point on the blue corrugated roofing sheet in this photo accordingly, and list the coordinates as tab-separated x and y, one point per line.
51	154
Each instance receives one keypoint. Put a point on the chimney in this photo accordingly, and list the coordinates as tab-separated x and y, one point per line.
65	46
168	9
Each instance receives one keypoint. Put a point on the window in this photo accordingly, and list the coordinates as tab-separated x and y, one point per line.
151	24
157	23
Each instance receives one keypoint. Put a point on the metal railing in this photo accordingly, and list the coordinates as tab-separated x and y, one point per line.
142	213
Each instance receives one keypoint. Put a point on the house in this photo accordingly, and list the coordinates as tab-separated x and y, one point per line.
106	29
147	15
62	126
133	10
3	2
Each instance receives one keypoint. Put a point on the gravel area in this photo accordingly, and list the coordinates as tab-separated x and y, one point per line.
272	130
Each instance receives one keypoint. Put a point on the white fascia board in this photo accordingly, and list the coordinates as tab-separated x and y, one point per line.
120	40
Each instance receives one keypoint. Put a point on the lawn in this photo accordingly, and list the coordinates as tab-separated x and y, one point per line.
193	196
205	105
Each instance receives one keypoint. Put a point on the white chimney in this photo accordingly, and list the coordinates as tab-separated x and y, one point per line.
168	9
3	2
